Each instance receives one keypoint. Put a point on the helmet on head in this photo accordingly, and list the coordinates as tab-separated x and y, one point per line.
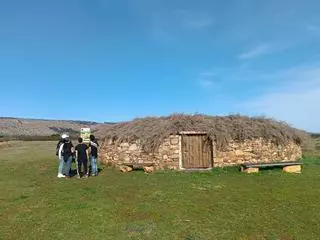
64	136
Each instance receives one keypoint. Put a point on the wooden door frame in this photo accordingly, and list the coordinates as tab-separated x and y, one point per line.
180	152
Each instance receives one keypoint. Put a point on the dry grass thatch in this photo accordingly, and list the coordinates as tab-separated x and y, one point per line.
151	131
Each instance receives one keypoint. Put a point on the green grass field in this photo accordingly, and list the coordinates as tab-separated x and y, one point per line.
222	204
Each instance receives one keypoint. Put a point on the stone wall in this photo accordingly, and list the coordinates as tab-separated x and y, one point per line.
166	157
168	154
255	151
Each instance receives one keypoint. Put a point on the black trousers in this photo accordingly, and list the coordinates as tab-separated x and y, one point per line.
83	162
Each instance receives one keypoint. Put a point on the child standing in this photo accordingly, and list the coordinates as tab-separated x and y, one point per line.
82	157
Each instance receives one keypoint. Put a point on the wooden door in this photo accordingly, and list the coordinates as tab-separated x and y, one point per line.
196	151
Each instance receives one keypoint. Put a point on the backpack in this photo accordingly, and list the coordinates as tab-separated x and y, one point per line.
66	149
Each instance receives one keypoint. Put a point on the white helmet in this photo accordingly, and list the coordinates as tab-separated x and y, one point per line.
64	136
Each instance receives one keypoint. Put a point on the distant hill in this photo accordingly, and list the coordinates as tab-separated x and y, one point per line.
41	127
312	146
315	135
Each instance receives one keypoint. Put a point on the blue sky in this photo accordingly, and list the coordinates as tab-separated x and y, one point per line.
108	60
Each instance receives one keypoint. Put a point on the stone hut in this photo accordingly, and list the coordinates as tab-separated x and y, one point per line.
181	142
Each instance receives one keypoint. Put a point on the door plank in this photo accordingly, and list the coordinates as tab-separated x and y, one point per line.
196	151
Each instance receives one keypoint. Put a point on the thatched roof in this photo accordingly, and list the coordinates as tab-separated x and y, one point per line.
151	131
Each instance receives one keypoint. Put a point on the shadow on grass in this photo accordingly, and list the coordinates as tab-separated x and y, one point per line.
237	170
21	197
226	170
73	171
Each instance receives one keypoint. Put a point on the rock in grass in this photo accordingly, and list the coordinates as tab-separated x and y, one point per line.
125	169
148	169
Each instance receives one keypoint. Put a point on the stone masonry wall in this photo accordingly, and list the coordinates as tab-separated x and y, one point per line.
168	154
256	151
166	157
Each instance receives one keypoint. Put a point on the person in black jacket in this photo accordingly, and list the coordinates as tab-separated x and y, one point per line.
82	158
65	153
93	155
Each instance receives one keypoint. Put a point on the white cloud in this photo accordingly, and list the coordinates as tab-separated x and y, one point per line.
296	100
301	109
206	79
255	52
205	83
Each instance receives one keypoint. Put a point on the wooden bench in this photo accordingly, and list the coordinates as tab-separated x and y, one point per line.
290	167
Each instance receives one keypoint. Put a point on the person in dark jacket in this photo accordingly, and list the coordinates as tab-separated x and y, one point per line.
82	158
65	153
93	155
